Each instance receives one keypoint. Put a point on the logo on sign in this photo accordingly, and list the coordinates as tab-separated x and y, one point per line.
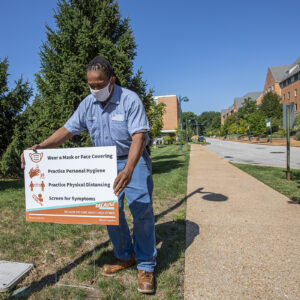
36	157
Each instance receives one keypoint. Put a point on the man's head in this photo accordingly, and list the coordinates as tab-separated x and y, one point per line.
101	78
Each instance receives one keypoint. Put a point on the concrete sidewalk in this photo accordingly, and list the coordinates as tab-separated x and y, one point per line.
243	238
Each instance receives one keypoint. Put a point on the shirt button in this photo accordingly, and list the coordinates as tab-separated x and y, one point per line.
104	126
106	137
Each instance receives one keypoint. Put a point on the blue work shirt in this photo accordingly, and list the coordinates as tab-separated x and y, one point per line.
112	124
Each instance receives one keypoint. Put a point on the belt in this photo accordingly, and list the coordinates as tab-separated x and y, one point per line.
122	156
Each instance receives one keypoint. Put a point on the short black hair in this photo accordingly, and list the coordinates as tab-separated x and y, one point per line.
100	63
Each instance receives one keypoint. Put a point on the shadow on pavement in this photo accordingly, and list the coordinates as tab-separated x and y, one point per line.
209	195
215	197
192	230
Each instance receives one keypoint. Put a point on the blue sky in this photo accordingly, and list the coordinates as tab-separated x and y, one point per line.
209	51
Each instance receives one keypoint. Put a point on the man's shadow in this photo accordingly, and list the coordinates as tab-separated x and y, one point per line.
170	237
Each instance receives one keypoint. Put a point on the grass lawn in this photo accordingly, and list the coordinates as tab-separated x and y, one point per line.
33	242
276	179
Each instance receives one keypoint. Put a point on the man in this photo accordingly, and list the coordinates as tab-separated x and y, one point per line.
116	116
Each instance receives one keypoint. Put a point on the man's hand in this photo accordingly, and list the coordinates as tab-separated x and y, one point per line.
121	181
34	147
56	139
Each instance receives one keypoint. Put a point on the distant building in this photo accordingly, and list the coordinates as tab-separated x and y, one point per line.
171	115
224	115
285	82
275	75
290	85
237	104
282	80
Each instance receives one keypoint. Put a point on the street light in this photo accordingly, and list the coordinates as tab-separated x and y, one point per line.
180	99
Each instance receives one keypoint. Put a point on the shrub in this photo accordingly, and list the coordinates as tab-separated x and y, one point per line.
297	136
281	133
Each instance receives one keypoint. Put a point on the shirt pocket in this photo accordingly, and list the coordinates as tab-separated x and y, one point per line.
93	128
119	131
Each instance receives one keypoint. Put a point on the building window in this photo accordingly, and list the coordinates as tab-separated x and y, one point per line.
289	95
283	96
296	76
296	106
296	92
272	87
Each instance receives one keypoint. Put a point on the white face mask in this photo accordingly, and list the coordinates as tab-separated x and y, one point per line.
102	94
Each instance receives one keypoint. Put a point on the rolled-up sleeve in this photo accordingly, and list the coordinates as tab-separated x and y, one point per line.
77	123
137	120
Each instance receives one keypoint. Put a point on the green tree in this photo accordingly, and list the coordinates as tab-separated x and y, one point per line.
189	116
10	163
208	120
248	108
242	127
216	122
84	29
257	124
271	106
233	129
155	117
12	102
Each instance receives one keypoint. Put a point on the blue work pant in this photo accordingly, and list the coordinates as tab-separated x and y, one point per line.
139	197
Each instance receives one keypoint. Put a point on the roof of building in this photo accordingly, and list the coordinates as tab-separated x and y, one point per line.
240	100
253	95
292	70
164	96
279	72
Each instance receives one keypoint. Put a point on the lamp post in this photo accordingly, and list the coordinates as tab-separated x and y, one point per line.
186	130
180	99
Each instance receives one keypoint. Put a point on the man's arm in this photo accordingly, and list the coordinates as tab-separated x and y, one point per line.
136	150
56	139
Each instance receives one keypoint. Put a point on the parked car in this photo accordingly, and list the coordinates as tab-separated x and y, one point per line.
201	139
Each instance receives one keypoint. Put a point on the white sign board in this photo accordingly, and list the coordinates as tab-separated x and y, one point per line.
71	185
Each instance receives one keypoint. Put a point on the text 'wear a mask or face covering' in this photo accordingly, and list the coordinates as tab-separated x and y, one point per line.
102	94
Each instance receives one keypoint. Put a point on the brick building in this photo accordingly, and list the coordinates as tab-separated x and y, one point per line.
275	75
171	115
283	80
290	85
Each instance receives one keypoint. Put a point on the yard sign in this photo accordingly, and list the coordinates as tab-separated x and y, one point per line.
72	186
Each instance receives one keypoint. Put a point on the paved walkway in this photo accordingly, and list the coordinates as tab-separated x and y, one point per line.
243	238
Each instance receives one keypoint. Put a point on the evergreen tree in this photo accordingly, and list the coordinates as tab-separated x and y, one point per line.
12	102
84	29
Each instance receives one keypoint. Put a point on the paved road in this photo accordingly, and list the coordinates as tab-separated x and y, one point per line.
254	154
242	237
